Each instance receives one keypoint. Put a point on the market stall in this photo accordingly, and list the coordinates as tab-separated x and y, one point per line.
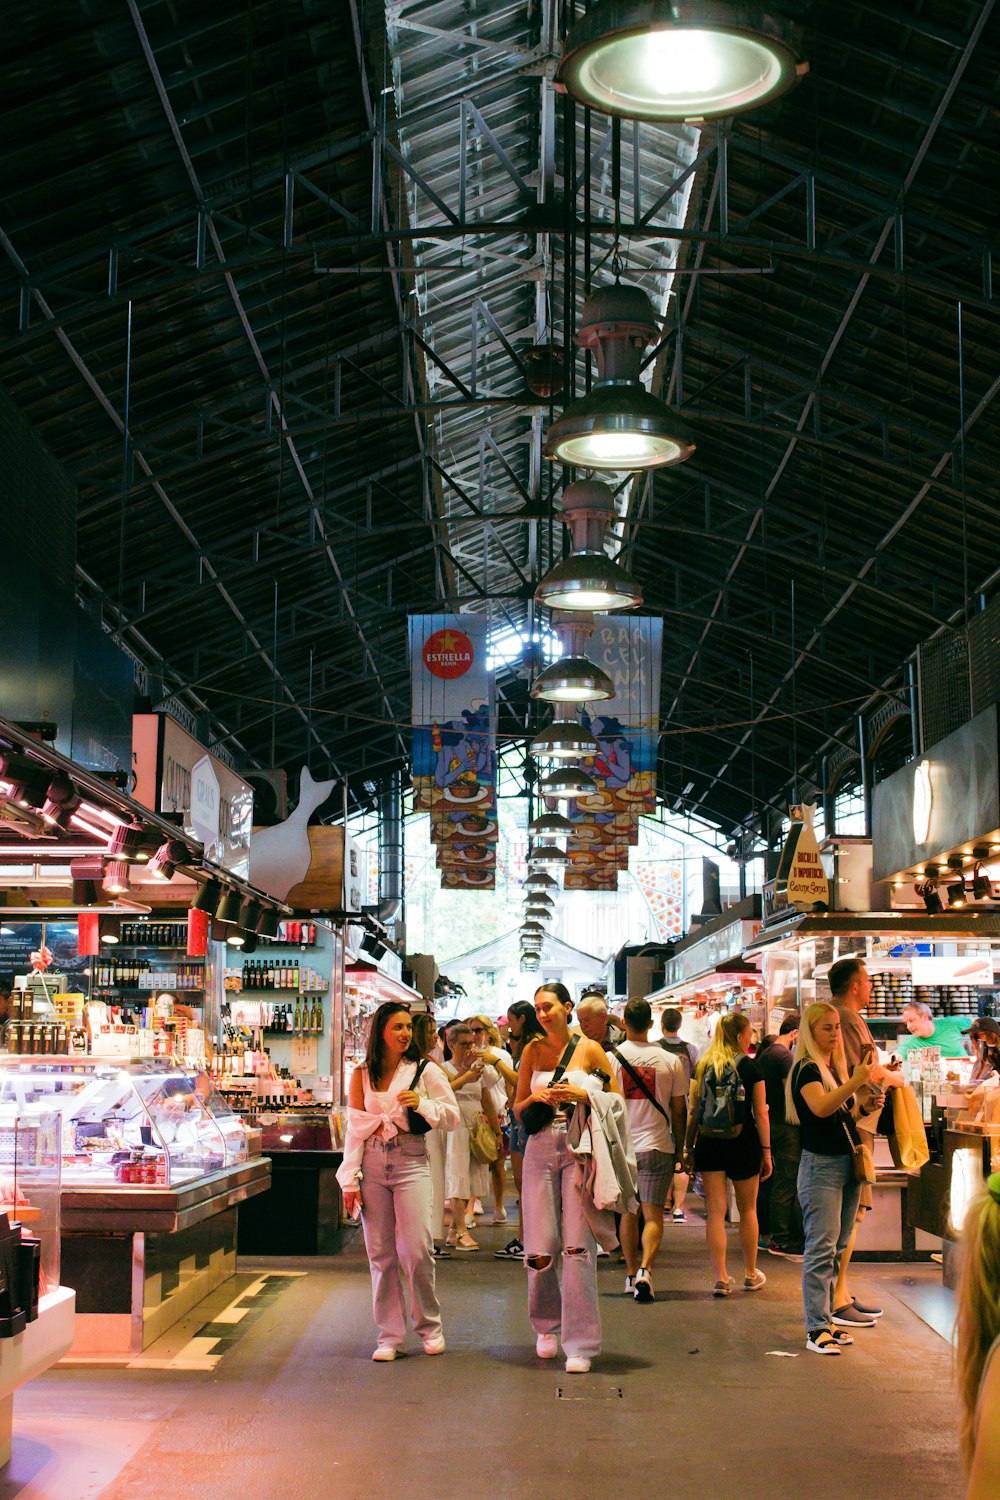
708	974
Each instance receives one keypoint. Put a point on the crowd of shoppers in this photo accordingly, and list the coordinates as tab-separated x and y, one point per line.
595	1126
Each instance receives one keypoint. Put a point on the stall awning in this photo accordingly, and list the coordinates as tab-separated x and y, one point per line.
966	926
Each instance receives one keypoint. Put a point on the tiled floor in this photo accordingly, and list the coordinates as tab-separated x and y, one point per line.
692	1398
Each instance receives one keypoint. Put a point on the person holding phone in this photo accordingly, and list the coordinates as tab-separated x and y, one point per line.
819	1092
385	1177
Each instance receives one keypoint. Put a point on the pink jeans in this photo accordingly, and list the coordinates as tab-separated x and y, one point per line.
396	1218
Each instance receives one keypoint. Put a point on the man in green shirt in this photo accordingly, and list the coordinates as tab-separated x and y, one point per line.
929	1030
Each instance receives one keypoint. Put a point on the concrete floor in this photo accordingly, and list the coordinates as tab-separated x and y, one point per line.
691	1398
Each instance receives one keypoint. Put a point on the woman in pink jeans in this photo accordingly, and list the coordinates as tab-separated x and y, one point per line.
386	1170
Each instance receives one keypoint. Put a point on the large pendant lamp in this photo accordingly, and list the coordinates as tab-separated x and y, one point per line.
566	783
548	854
618	425
539	898
588	580
550	825
538	881
574	678
679	59
564	739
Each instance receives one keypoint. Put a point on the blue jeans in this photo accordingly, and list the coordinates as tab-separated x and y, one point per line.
829	1196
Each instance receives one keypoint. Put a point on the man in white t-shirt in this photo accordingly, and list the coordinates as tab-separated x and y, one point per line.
655	1086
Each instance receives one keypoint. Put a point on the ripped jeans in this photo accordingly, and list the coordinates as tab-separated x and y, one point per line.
561	1301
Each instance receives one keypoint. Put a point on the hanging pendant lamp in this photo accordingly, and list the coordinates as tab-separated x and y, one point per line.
618	425
539	898
548	854
538	881
565	783
679	59
574	678
588	579
550	825
564	739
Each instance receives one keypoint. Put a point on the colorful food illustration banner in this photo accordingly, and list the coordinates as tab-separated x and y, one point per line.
454	745
626	728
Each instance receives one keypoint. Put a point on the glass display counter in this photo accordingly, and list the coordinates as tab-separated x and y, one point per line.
301	1213
153	1165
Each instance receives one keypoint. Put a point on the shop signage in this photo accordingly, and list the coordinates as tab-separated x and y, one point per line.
176	774
948	798
801	877
711	952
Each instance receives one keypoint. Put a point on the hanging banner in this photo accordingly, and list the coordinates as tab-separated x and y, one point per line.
801	878
454	744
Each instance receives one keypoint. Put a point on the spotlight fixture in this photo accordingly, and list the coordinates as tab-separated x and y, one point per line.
61	801
956	892
126	841
207	897
538	881
932	901
550	823
267	923
109	930
566	783
116	873
249	912
679	59
235	937
163	865
618	425
547	854
371	945
228	909
982	888
564	739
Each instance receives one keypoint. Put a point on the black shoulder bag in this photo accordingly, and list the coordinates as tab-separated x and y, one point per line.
640	1083
535	1116
418	1125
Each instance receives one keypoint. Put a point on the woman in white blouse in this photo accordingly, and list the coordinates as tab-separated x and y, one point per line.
466	1178
386	1170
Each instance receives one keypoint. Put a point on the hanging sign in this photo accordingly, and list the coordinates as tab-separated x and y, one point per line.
801	878
176	774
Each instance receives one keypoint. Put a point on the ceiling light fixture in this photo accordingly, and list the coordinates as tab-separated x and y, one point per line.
957	894
109	930
618	425
163	865
564	739
116	877
267	923
550	823
207	897
547	854
588	579
228	909
565	783
126	841
538	881
61	801
982	887
928	891
679	59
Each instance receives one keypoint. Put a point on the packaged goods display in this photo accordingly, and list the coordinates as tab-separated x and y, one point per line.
154	934
891	990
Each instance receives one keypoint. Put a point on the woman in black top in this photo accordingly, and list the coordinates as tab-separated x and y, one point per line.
744	1158
817	1101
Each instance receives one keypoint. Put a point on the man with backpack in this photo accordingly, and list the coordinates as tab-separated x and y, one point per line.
654	1084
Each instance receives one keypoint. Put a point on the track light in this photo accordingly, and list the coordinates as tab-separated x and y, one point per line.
564	739
116	877
566	783
267	923
957	892
207	897
235	937
109	930
249	914
61	801
679	59
932	901
982	888
228	909
618	425
126	841
163	865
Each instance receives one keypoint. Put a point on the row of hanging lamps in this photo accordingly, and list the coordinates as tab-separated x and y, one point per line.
619	424
679	59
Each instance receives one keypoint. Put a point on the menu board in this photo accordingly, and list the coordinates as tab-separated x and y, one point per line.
19	940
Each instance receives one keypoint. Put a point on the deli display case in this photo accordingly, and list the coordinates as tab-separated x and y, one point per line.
301	1214
153	1166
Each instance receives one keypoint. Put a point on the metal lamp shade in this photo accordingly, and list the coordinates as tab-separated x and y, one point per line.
572	679
538	881
564	739
619	427
589	581
566	783
548	854
550	824
679	59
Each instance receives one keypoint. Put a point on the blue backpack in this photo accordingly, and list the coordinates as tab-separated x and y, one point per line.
722	1104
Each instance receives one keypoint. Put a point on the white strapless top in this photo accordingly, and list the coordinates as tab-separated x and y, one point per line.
575	1075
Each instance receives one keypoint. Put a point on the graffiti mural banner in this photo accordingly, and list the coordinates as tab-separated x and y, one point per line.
454	743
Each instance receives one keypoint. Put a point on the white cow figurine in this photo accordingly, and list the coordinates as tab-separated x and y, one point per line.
280	856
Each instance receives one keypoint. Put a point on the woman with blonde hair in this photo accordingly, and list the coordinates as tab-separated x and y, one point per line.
818	1095
742	1157
979	1341
486	1040
466	1177
424	1045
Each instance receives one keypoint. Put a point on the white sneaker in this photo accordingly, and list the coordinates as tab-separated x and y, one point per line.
546	1346
384	1353
643	1290
434	1346
755	1282
629	1286
577	1365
